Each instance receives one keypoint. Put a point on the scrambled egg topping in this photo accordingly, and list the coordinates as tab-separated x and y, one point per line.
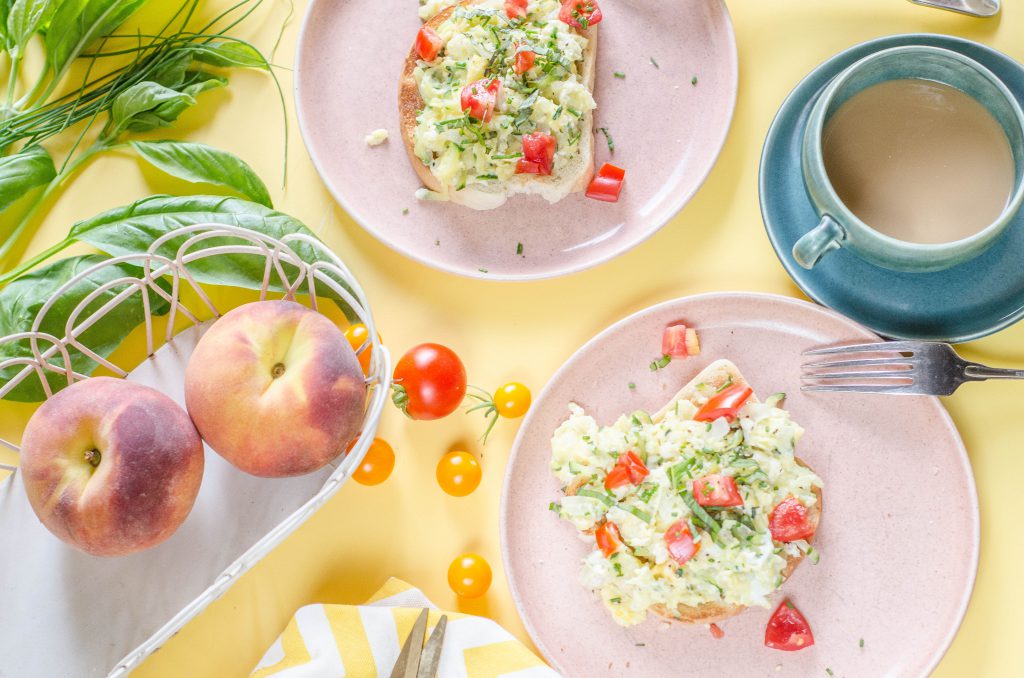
482	42
739	564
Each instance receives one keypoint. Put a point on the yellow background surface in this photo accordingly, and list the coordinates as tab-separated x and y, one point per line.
408	527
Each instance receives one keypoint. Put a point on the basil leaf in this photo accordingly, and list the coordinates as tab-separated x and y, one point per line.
19	173
21	300
78	23
145	106
25	18
231	54
199	163
133	228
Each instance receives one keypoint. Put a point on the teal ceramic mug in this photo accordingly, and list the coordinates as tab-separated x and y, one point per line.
839	227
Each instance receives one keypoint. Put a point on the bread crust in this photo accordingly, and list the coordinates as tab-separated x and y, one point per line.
715	376
410	103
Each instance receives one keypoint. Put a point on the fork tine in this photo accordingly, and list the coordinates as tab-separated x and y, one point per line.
904	389
864	362
859	374
876	347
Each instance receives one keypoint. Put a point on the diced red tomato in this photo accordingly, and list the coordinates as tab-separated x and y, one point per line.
679	541
790	521
428	43
628	470
524	61
716	490
538	154
515	9
608	538
580	13
716	632
679	341
725	404
480	97
788	630
607	183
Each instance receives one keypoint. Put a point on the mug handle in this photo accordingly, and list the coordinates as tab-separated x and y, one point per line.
828	235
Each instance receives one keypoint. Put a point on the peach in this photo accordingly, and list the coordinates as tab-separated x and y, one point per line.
274	388
110	466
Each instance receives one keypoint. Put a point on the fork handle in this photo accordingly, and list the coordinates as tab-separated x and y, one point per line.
981	372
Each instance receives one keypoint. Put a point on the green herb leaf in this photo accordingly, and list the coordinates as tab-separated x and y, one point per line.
231	54
619	74
19	173
21	300
642	515
710	524
199	163
604	498
25	18
145	106
78	23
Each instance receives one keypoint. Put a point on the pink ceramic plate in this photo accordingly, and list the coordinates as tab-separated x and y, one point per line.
667	135
898	538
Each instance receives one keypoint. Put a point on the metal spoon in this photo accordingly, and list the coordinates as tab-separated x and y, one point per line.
980	8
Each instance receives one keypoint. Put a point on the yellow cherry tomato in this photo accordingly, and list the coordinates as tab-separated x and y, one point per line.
469	575
376	465
357	335
458	473
512	400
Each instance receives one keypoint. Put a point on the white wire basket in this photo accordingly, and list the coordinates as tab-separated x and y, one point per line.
65	613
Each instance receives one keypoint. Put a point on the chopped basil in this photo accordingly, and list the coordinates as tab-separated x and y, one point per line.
642	515
519	249
615	600
619	74
618	569
709	523
605	499
482	270
693	81
554	507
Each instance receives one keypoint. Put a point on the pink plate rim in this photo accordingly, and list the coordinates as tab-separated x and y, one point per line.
726	297
553	272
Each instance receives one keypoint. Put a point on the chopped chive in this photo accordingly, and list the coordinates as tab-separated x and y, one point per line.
862	642
487	177
618	569
558	113
727	384
655	63
506	156
554	507
632	386
693	81
608	138
660	363
519	249
594	494
573	111
615	600
482	270
619	74
405	210
829	671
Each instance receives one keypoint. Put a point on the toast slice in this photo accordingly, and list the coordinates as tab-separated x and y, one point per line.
573	177
713	377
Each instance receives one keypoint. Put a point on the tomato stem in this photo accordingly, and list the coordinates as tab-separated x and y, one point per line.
486	403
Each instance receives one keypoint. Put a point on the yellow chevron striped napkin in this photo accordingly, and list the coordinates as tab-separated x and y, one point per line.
363	641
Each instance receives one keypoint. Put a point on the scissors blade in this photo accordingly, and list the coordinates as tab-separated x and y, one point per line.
408	663
431	657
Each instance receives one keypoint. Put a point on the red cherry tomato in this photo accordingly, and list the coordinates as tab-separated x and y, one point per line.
580	13
430	382
515	9
479	98
788	630
725	404
524	61
608	538
716	490
538	154
377	465
790	521
469	575
679	541
628	470
607	183
428	43
679	341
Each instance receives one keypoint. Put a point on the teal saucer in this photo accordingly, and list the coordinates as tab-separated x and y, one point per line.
968	301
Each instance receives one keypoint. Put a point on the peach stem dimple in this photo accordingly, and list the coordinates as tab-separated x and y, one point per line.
277	370
92	457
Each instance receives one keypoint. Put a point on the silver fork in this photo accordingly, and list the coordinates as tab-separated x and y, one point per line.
917	368
979	8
